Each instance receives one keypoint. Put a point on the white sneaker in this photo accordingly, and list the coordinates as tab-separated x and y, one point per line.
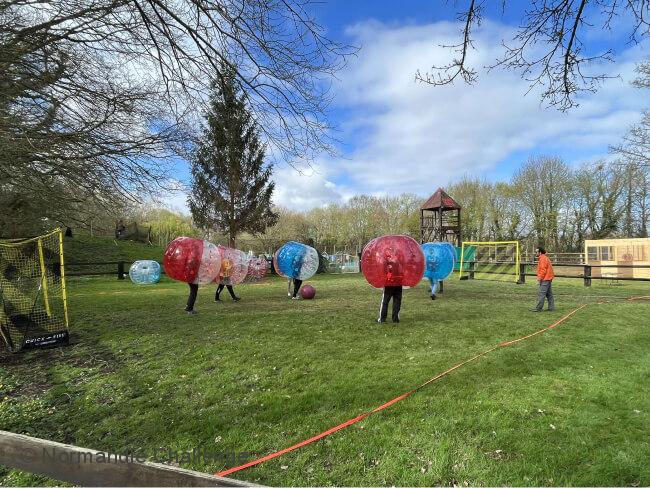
295	298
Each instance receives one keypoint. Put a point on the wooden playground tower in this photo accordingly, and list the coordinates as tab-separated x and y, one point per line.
440	219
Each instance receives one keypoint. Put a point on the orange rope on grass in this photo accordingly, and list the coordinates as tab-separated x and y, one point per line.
383	406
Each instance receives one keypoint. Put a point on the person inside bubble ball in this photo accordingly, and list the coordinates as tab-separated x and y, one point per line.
226	270
231	290
434	288
194	289
393	271
297	283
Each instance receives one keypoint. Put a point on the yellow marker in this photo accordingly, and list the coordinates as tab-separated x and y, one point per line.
63	295
46	297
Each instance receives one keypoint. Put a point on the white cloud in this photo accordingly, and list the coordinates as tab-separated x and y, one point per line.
294	188
303	189
415	137
411	137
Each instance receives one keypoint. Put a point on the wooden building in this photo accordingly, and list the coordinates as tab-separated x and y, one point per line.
440	219
626	252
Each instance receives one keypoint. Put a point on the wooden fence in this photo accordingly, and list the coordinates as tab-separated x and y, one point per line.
116	268
74	465
571	270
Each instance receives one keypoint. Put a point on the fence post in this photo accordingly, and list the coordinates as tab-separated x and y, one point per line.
522	274
587	273
120	270
471	269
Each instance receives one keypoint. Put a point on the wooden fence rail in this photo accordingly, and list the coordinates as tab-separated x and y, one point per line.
120	269
74	464
586	275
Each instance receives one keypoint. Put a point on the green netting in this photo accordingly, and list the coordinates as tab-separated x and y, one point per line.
490	261
469	255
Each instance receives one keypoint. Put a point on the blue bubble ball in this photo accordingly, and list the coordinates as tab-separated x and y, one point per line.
452	250
296	260
145	272
439	260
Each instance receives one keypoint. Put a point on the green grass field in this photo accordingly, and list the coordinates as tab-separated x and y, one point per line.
570	406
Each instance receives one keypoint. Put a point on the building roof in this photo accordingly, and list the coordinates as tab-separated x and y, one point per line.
440	200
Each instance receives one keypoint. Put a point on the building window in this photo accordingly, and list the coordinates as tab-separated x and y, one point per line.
606	253
592	254
624	253
640	253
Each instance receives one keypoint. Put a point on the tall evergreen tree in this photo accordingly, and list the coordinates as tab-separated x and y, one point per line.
231	187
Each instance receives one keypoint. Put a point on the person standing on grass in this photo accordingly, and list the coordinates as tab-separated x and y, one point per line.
434	288
220	288
297	283
545	279
194	289
393	273
224	275
296	288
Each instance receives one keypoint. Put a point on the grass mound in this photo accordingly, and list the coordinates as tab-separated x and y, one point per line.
84	249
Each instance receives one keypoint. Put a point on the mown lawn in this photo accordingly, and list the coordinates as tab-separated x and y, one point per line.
570	406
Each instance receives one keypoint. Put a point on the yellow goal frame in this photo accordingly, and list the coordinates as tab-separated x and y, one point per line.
490	243
57	234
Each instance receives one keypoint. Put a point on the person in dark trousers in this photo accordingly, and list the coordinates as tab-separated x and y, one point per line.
230	290
296	265
394	292
224	276
296	288
545	277
194	289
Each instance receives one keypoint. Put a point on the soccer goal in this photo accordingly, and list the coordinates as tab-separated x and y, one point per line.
33	308
497	261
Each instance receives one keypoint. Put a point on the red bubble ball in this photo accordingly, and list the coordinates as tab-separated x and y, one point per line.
392	261
308	292
234	266
191	260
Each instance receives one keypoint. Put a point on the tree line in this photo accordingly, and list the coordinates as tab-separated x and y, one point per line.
546	201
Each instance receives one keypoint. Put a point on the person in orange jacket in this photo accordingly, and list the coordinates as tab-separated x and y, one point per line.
545	279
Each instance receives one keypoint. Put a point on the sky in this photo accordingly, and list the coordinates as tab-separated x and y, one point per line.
398	135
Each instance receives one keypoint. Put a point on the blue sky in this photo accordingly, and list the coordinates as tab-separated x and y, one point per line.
400	136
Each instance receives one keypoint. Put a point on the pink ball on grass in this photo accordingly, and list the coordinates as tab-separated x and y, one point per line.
308	292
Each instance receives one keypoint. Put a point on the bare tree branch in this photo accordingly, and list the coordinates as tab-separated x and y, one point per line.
99	95
547	49
447	74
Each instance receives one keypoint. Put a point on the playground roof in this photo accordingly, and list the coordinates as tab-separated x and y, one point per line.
440	200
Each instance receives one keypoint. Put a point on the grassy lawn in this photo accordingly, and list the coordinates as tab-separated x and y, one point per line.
567	407
81	249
